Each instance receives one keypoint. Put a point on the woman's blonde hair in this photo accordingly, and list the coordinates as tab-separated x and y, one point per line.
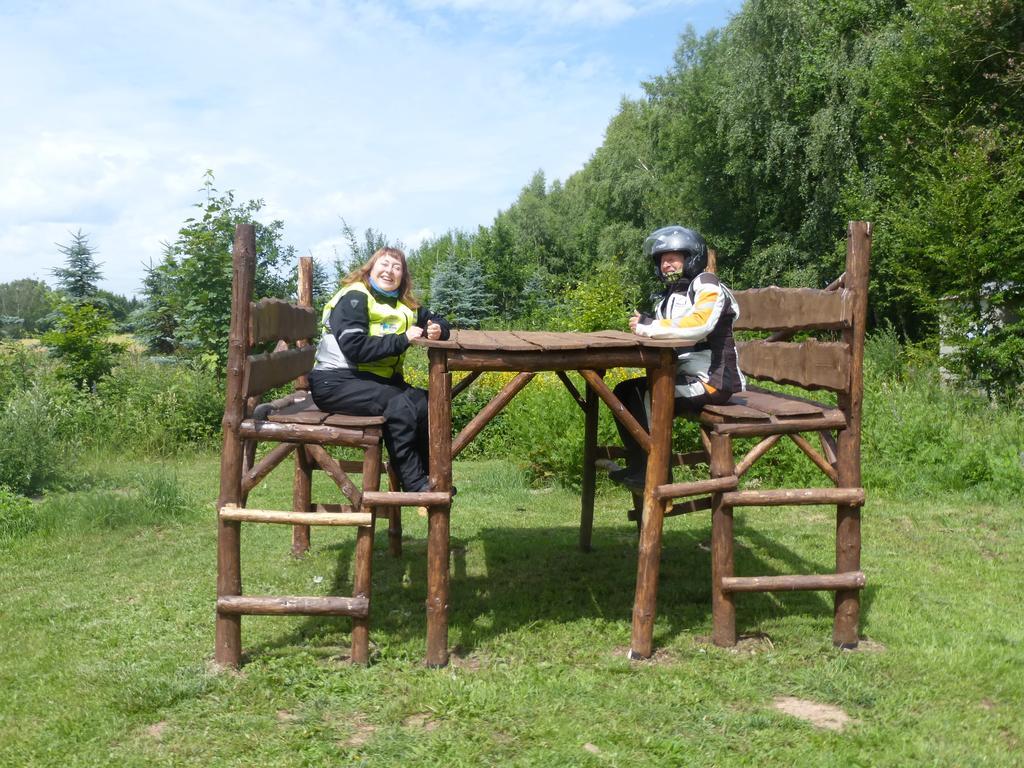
362	274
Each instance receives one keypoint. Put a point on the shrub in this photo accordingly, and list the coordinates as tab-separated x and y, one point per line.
15	515
158	408
79	341
40	429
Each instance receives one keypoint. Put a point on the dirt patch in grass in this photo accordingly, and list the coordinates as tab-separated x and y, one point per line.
819	715
362	732
156	730
866	645
422	720
752	643
460	659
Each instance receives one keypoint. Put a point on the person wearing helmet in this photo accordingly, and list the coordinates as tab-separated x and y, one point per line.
694	306
367	328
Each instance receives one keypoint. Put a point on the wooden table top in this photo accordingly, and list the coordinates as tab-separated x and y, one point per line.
545	341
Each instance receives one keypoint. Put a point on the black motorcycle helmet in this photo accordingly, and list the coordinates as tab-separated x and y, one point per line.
686	241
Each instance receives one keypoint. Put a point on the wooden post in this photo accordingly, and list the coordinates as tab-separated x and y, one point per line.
590	415
712	260
228	644
302	499
394	517
661	381
302	487
363	555
723	608
440	421
305	299
847	602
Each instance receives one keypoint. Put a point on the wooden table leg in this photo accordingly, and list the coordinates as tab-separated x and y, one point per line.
662	388
589	470
440	419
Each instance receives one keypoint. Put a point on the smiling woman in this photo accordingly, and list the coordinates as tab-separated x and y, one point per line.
367	327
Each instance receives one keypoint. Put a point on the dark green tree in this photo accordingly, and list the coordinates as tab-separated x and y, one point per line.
156	321
78	277
459	292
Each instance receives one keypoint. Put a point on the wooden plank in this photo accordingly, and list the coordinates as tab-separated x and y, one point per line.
546	340
439	408
661	387
848	535
296	518
228	642
298	412
357	607
809	364
792	309
354	422
780	497
500	341
737	409
834	420
305	433
778	404
273	369
564	360
274	319
827	581
404	499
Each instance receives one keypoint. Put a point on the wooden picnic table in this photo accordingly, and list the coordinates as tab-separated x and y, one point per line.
527	353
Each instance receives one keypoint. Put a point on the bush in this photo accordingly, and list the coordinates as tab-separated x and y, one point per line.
41	429
158	408
79	341
20	365
16	518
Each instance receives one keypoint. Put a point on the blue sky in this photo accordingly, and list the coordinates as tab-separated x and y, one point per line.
410	117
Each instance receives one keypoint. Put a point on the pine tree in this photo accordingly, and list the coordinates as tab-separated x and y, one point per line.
80	274
459	292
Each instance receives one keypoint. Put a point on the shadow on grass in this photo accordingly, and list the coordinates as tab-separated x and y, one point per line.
521	576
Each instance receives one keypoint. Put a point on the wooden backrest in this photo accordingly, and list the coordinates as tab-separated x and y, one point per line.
292	326
811	364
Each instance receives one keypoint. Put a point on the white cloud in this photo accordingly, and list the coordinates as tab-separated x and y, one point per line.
411	119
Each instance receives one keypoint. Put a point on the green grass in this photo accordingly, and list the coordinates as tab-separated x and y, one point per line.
107	634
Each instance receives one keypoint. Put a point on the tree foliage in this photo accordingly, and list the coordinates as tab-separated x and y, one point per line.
187	297
770	134
24	304
80	340
79	276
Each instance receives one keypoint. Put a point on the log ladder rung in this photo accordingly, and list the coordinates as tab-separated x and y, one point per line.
326	514
401	499
329	605
696	488
853	497
825	581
